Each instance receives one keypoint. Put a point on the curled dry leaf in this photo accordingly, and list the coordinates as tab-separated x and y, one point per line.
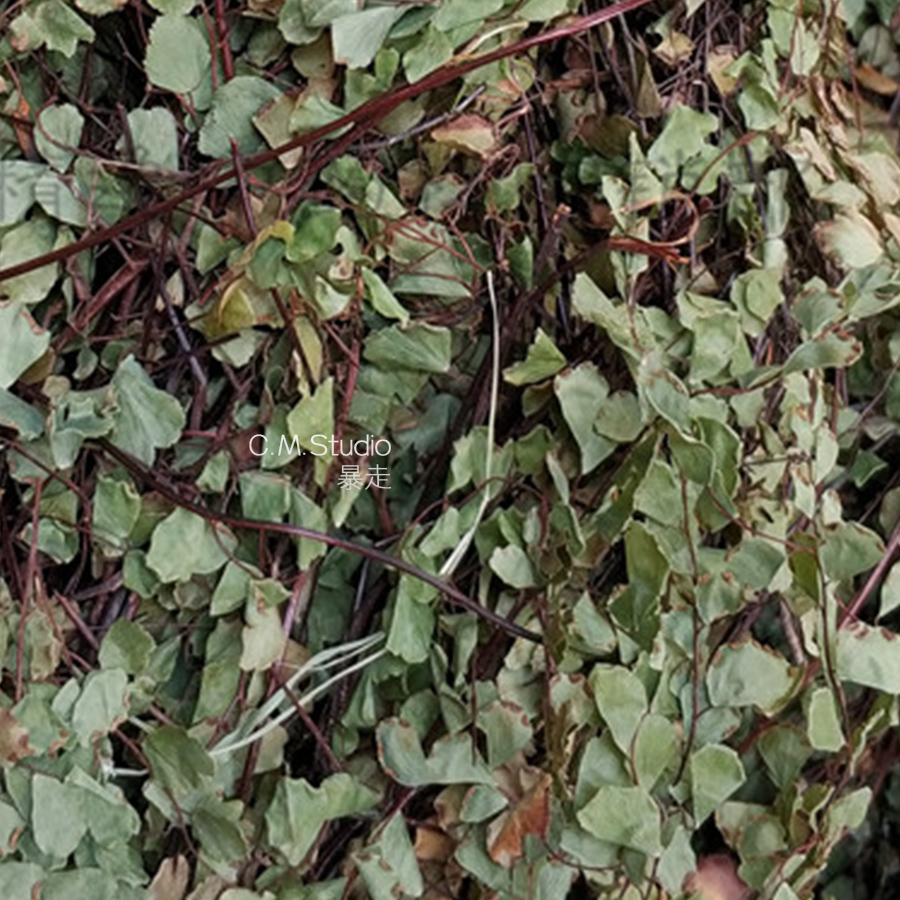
875	81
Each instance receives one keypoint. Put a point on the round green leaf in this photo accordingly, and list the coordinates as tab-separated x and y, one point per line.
178	56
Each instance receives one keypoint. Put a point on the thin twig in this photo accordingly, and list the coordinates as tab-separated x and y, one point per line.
360	120
394	562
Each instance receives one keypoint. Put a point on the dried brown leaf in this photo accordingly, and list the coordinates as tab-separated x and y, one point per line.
530	814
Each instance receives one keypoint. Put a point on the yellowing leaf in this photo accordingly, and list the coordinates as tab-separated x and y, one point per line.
674	48
470	133
850	239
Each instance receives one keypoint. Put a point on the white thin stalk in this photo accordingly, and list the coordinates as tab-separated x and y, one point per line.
326	659
223	748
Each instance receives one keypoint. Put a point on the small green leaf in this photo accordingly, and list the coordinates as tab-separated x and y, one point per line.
619	418
716	340
381	298
357	37
298	811
482	802
17	185
263	638
626	816
117	506
315	231
749	675
452	760
214	476
868	656
542	361
785	750
105	196
126	646
82	884
178	57
683	137
18	880
826	352
621	700
313	418
100	7
759	107
388	866
423	348
146	418
636	610
173	7
22	342
659	495
678	860
454	13
177	761
504	194
755	563
56	25
22	417
663	392
154	134
851	239
513	565
32	238
581	393
656	747
850	549
508	731
231	117
102	704
217	826
264	495
430	53
716	773
57	134
848	811
57	816
412	624
110	818
890	587
209	547
823	726
324	12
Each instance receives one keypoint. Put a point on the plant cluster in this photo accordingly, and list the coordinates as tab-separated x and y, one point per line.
617	616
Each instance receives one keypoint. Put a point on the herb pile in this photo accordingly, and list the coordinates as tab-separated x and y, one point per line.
618	286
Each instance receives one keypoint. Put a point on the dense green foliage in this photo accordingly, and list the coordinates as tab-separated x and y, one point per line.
621	597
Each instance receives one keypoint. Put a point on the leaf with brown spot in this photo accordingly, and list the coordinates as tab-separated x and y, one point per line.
13	738
530	814
24	135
